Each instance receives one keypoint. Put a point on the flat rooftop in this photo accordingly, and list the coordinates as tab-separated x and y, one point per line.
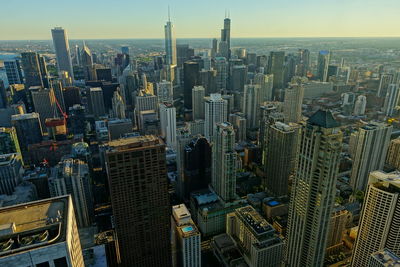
33	224
133	142
254	220
387	258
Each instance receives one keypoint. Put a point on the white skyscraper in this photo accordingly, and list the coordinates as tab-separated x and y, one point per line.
198	93
168	123
61	46
165	91
186	239
170	43
224	161
360	105
251	105
391	99
215	112
379	226
313	191
370	144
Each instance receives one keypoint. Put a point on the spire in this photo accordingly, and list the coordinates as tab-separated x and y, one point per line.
169	15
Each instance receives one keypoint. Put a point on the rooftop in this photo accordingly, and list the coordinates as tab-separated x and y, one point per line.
133	142
387	258
33	224
324	119
25	116
254	220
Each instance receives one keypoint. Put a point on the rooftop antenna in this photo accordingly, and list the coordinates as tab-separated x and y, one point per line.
225	12
169	17
229	13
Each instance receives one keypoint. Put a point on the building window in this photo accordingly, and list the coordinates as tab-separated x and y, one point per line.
43	264
60	262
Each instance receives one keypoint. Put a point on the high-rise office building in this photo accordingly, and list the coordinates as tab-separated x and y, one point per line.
198	94
384	82
258	241
9	141
251	105
165	91
371	143
214	48
31	68
87	63
360	105
226	36
237	78
391	99
281	147
71	177
197	165
12	65
313	191
265	81
215	112
221	66
118	106
61	47
28	129
337	227
275	67
44	103
41	233
322	65
10	172
393	155
303	63
293	103
168	124
140	201
379	225
224	161
208	80
96	102
191	78
186	238
170	43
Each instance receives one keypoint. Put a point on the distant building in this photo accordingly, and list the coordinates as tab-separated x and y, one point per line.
191	78
360	105
198	94
96	102
61	47
10	173
391	99
322	65
251	105
40	233
215	112
393	155
28	129
293	103
168	124
384	258
275	67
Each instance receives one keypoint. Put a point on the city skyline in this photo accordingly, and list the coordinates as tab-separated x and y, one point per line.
360	18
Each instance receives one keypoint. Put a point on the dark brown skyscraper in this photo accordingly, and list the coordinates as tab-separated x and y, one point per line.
136	169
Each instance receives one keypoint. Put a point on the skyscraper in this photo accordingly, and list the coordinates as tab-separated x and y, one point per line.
96	102
170	43
251	105
10	172
215	112
221	65
71	177
384	82
9	141
265	81
168	123
44	104
275	67
303	64
322	65
224	161
28	129
191	77
198	94
139	197
379	226
61	47
293	103
314	190
360	105
165	91
41	233
281	148
186	239
371	145
197	165
226	35
391	99
30	65
87	63
393	155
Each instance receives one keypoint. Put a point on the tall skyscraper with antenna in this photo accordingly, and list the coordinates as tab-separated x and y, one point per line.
61	46
170	42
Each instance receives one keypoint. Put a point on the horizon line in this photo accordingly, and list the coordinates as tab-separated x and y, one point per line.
267	37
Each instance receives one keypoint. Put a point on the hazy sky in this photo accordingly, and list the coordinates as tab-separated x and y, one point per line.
90	19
